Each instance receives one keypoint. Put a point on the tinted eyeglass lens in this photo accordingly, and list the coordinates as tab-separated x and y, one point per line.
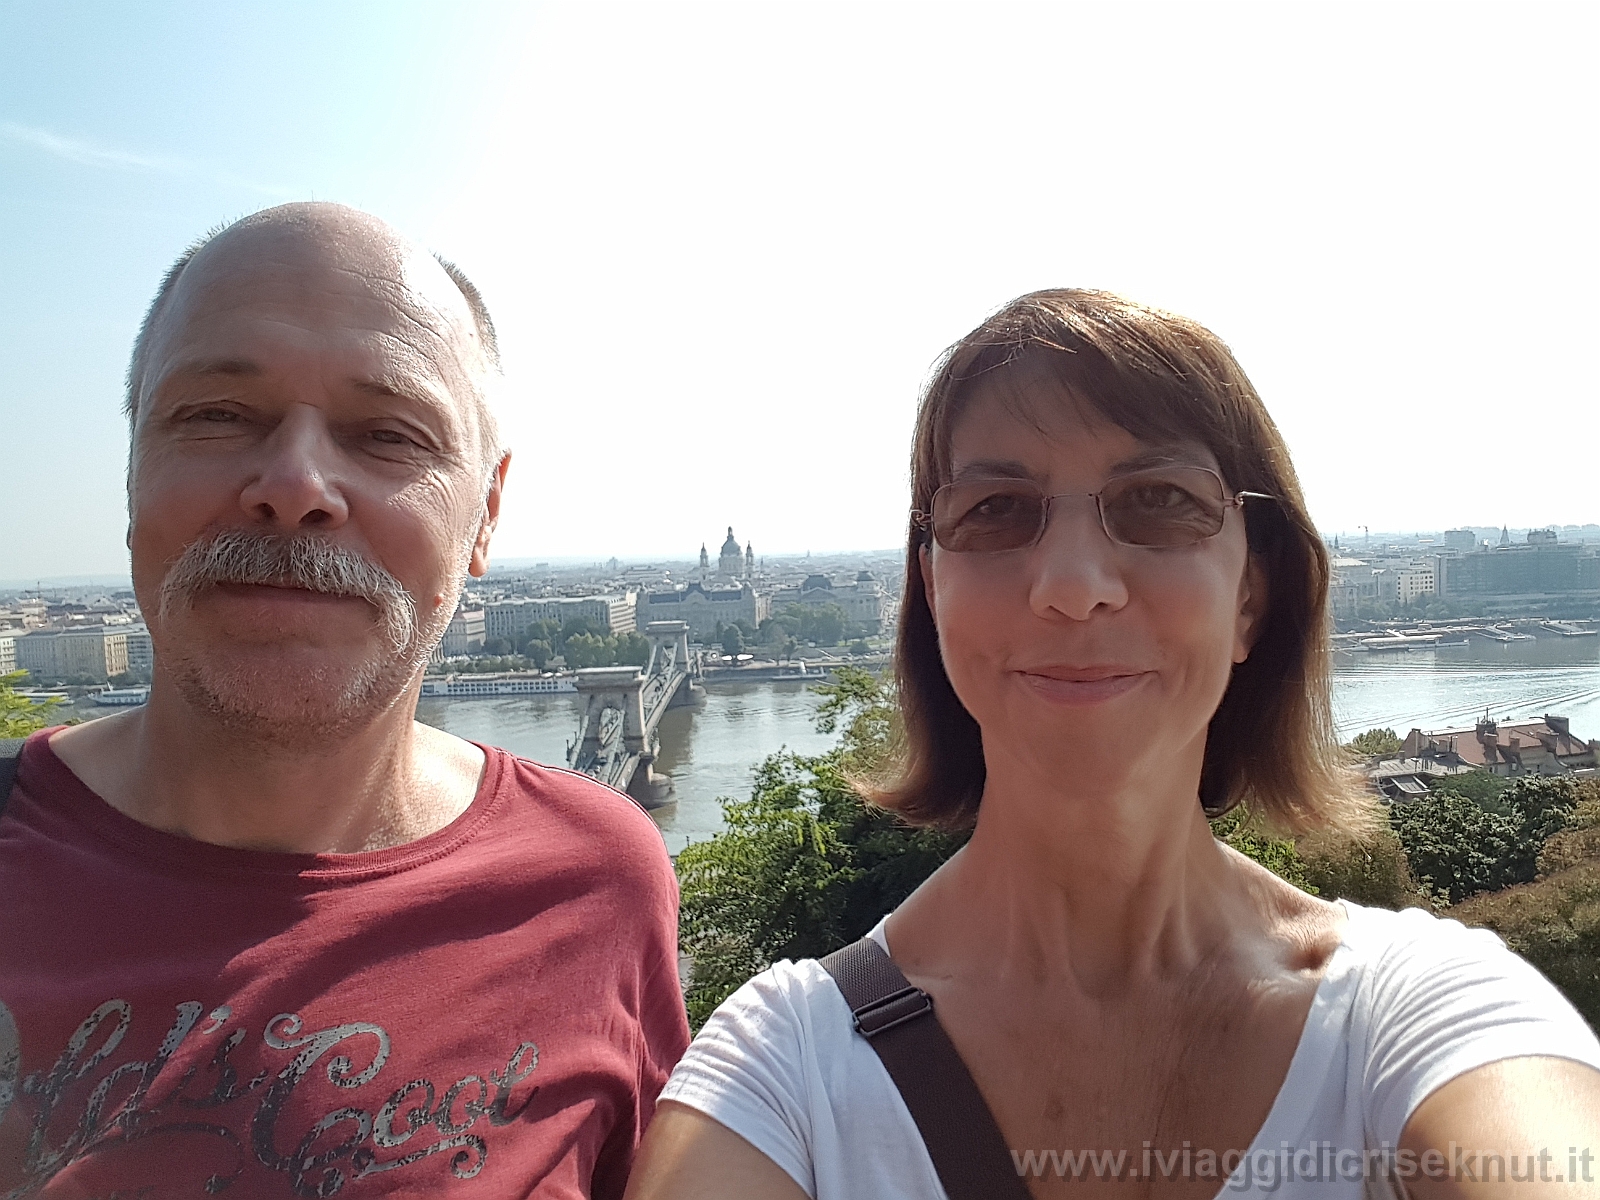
1176	506
987	514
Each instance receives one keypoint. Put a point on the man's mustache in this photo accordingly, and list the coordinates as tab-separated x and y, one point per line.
302	561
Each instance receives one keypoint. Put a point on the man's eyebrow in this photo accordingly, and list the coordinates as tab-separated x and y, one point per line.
408	389
237	367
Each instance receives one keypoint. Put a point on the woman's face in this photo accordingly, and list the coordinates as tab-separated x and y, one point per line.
1078	654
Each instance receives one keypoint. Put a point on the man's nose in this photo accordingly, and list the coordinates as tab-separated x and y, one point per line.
296	484
1076	569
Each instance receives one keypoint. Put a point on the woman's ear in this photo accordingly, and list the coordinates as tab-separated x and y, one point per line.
1252	608
925	565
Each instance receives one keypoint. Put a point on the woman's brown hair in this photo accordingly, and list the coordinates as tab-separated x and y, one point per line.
1163	379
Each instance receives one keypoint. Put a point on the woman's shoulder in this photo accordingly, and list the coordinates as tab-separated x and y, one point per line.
1400	947
1433	998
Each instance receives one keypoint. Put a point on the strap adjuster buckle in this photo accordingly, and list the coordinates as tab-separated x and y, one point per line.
897	1008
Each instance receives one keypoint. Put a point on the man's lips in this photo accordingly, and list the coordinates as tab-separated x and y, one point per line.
272	593
1083	685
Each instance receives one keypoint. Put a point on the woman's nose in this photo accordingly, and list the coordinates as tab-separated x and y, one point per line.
296	485
1076	569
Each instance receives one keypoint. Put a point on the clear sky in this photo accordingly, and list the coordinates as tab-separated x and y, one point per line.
724	243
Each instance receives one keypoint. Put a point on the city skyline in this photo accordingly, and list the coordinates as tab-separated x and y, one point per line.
721	239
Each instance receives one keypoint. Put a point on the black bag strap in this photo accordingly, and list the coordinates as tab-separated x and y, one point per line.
10	754
897	1020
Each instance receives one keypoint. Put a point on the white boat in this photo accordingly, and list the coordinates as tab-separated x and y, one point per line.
123	697
472	687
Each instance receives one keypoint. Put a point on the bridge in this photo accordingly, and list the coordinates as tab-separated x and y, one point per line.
617	739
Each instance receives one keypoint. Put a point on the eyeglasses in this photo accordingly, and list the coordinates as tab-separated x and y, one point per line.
1162	507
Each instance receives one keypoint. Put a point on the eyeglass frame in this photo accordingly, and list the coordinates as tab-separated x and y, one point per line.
924	520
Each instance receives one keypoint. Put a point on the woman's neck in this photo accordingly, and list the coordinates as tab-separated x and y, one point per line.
1107	887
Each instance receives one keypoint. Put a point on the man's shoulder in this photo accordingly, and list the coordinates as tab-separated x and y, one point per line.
614	826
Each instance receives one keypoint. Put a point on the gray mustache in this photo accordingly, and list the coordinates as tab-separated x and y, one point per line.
312	563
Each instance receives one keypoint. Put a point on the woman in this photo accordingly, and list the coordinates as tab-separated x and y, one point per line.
1114	625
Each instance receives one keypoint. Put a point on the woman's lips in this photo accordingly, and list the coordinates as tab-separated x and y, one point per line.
1082	685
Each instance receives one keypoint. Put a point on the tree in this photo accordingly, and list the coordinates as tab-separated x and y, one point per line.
1452	844
1537	807
633	649
20	715
1459	848
538	651
732	640
498	647
804	865
1375	742
1481	787
590	650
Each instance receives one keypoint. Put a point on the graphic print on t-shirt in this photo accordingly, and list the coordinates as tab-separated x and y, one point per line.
322	1113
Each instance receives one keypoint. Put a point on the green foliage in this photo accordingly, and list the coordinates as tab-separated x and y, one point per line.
538	652
1553	923
824	624
732	640
1481	787
1458	848
1374	742
1453	845
19	715
1373	872
486	665
590	650
1278	855
804	865
633	650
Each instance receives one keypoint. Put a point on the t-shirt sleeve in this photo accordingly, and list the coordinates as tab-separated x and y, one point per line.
746	1070
1446	999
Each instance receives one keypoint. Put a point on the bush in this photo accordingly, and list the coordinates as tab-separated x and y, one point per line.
1373	873
1555	925
20	716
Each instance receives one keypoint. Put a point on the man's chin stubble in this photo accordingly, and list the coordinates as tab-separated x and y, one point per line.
295	709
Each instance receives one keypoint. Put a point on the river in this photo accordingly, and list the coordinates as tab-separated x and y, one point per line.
712	750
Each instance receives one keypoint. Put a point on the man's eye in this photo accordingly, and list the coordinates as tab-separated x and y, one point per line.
215	415
390	437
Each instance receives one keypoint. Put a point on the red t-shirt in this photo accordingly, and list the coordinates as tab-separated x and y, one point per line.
488	1011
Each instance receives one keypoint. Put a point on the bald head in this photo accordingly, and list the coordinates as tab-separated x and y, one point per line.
283	253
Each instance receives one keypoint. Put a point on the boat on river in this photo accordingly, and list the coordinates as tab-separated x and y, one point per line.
475	687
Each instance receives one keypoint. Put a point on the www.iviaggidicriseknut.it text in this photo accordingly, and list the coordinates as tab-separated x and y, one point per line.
1266	1170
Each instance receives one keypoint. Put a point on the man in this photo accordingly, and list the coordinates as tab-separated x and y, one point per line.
268	936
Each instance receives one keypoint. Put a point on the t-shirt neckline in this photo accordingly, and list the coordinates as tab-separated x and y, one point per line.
1309	1063
53	785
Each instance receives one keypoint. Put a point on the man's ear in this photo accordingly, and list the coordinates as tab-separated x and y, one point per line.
478	565
1252	615
925	565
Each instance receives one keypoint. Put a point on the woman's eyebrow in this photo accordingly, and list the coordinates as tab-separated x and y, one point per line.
991	468
1163	456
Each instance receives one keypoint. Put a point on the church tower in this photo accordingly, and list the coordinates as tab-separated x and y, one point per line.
705	563
749	561
731	558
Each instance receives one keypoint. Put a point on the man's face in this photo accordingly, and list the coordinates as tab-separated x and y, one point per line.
310	386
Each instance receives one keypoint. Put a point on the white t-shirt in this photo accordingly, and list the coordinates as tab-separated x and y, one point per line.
1407	1002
